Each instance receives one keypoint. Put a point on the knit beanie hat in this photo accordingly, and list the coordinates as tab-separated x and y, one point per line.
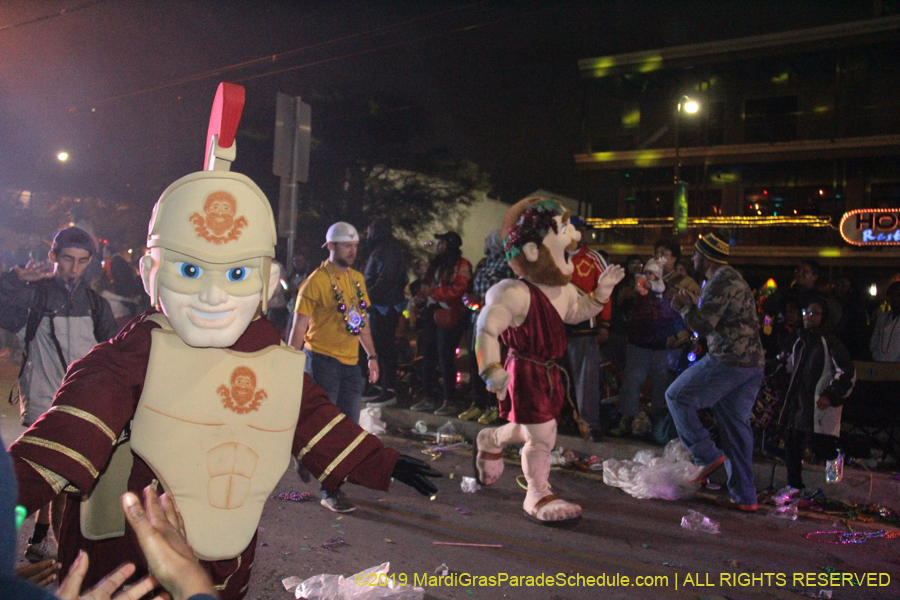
713	248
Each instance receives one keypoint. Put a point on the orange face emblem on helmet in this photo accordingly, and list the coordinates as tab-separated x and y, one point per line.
243	396
218	224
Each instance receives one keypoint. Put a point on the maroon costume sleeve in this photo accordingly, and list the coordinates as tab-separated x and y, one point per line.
96	401
323	437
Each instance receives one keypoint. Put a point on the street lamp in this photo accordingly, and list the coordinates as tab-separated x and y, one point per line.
62	156
680	205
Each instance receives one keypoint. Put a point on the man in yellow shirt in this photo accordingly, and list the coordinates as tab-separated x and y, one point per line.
330	323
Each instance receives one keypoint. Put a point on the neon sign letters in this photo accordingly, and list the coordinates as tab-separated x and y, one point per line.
871	227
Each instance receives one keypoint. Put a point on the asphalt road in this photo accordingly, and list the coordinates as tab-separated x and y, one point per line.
618	537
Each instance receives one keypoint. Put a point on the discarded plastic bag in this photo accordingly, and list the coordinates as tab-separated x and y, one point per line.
650	476
469	485
370	420
695	521
371	584
786	511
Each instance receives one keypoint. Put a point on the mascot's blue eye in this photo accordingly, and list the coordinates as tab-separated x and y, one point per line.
188	270
238	274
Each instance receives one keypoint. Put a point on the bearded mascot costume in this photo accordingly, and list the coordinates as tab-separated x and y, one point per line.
528	314
198	395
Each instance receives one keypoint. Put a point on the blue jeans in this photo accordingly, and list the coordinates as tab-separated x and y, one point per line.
584	358
343	383
642	362
730	392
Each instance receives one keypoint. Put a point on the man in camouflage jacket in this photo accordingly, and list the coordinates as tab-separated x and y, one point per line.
727	379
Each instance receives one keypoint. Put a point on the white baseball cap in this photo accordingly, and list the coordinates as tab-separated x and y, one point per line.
341	232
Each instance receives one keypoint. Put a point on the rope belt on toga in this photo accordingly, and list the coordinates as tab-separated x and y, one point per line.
549	365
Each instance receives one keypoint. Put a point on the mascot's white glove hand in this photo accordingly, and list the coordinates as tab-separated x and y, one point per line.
612	275
497	381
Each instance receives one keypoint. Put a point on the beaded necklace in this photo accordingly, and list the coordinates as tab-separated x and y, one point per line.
355	315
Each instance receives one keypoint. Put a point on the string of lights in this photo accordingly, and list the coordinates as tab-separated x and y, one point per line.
735	222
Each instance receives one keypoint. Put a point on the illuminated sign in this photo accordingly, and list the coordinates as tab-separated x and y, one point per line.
871	227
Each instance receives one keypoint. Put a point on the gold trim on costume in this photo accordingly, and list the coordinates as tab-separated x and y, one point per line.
320	435
55	481
92	419
80	459
342	456
224	585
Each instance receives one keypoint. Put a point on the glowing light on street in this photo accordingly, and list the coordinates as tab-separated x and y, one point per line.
63	156
691	106
873	290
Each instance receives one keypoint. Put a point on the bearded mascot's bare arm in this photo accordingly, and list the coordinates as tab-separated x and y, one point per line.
506	305
589	305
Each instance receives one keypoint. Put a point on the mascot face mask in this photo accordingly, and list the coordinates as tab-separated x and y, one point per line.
207	304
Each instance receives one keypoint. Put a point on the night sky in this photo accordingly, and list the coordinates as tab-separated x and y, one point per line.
126	86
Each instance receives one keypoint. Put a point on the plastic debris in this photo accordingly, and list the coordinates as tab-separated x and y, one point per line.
291	583
560	457
834	469
371	584
293	496
446	434
442	569
785	511
370	420
467	544
468	485
695	521
332	543
650	476
594	463
461	511
850	537
785	495
421	427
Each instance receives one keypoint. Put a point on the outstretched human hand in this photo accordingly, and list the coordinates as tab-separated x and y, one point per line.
41	573
35	271
413	472
70	588
160	532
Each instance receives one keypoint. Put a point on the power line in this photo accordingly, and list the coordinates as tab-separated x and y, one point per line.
371	33
62	13
279	56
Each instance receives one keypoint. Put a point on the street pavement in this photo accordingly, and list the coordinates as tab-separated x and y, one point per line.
618	537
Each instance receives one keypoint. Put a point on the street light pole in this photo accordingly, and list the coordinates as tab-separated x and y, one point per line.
680	204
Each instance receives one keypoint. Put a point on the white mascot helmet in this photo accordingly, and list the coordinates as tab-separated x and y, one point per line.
215	215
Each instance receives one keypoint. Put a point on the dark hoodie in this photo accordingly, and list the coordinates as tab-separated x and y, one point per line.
385	272
820	366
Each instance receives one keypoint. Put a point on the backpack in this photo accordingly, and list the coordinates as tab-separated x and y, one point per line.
36	314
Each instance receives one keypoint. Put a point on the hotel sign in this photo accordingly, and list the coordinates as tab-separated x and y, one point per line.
871	227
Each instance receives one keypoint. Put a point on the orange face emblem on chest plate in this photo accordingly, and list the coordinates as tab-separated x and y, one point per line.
242	396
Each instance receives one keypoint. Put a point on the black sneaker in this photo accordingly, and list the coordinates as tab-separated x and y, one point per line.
337	502
387	398
372	392
425	405
446	409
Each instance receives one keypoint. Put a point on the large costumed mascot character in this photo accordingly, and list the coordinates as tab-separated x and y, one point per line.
528	315
212	404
